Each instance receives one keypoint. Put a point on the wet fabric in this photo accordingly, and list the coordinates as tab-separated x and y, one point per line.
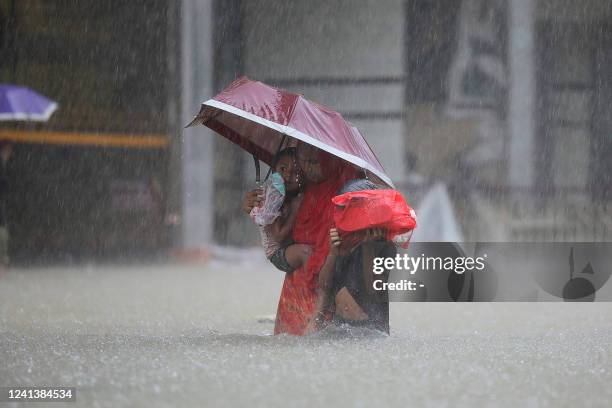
269	244
279	260
358	211
349	273
271	208
312	225
274	197
257	117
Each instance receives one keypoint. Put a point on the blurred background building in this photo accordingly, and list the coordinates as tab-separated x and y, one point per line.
506	103
92	181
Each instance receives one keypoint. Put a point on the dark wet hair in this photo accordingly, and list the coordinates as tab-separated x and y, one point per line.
359	185
287	151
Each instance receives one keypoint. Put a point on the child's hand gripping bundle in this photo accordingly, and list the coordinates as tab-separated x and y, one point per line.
274	196
356	212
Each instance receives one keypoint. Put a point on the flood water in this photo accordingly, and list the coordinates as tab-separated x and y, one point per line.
200	335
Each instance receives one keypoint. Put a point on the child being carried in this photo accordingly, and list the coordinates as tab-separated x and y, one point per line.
277	214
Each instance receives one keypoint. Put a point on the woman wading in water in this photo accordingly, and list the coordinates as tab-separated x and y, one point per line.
305	296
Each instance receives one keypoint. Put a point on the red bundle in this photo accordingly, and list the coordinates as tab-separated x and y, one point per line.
362	210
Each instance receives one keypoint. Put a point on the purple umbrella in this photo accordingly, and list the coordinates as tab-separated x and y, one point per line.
20	103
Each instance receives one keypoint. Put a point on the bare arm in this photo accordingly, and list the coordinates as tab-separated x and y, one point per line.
252	199
326	274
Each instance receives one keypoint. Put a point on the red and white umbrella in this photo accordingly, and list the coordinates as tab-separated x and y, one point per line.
258	117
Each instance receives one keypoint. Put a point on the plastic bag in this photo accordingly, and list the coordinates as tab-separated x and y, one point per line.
274	196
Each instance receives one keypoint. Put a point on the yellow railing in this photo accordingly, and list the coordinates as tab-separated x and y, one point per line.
86	139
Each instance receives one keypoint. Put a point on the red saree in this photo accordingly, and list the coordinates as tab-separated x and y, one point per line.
315	218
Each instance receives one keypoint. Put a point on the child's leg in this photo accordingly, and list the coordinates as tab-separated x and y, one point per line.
297	254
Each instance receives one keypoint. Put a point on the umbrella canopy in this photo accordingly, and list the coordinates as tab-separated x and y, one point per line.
257	116
20	103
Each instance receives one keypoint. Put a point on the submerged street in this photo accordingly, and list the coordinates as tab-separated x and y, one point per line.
185	335
158	157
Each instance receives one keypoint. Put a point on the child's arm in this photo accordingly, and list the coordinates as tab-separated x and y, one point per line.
280	230
252	199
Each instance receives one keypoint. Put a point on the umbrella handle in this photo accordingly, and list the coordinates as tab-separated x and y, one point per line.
257	169
275	158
